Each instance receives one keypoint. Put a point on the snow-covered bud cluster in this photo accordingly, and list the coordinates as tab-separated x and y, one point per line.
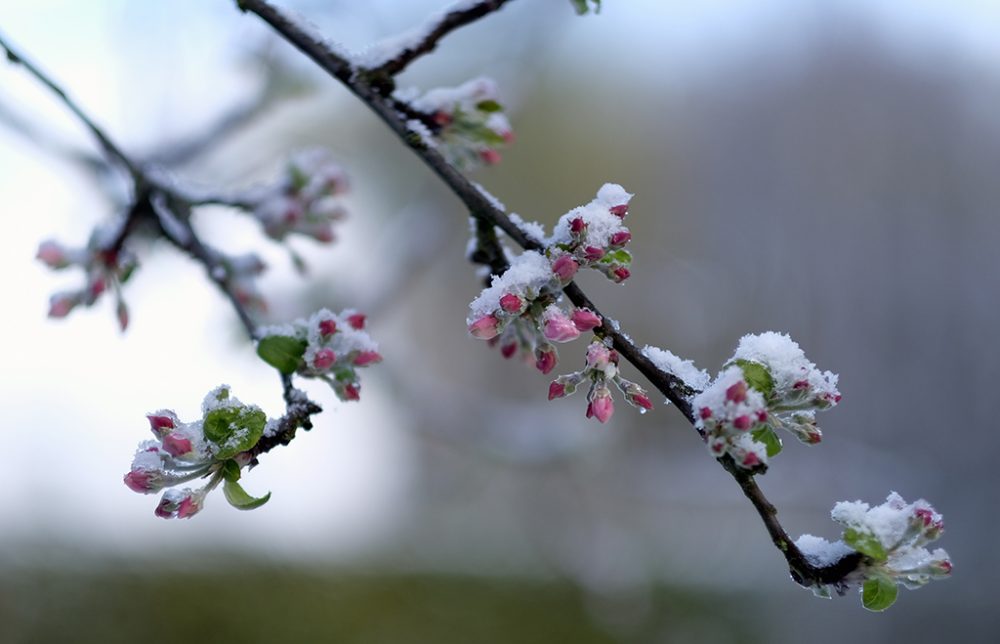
305	200
327	346
468	121
768	385
214	447
600	369
594	236
519	311
104	270
891	537
238	274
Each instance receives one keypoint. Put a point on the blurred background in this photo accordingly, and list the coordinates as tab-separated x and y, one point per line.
827	168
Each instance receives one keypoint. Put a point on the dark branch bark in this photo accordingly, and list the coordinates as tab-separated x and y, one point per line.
673	388
433	34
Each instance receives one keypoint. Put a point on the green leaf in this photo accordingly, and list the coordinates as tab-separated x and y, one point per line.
233	429
879	593
230	471
282	352
582	7
865	543
757	376
769	438
620	256
489	105
239	499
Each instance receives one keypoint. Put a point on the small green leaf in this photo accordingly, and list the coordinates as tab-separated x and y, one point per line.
489	105
230	471
233	429
757	376
239	499
620	256
582	7
282	352
769	438
865	543
879	593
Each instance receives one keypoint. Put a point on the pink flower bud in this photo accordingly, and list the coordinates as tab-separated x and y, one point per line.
565	267
598	356
161	421
559	328
641	400
762	416
705	413
556	390
585	319
511	303
508	136
593	253
441	118
366	358
484	328
52	254
737	392
577	225
188	507
508	350
750	460
801	384
489	156
356	320
545	359
140	481
601	407
619	210
742	423
620	238
98	286
121	311
327	327
351	392
61	304
176	445
621	274
324	358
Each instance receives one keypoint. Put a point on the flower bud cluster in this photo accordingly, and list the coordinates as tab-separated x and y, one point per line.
892	539
305	200
467	122
593	236
104	270
600	369
519	311
214	447
327	346
768	385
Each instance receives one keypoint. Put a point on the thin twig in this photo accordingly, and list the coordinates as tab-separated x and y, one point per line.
672	387
438	29
109	147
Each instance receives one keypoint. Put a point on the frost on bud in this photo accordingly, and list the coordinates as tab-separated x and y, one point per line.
485	327
565	267
511	303
557	326
586	320
324	358
727	410
366	358
600	404
327	327
53	254
465	123
891	538
594	236
556	390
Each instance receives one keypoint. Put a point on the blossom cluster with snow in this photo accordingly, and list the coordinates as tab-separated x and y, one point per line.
601	367
103	269
467	123
214	447
327	346
891	538
768	385
305	199
521	311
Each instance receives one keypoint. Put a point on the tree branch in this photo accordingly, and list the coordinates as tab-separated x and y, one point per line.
434	32
672	387
110	148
